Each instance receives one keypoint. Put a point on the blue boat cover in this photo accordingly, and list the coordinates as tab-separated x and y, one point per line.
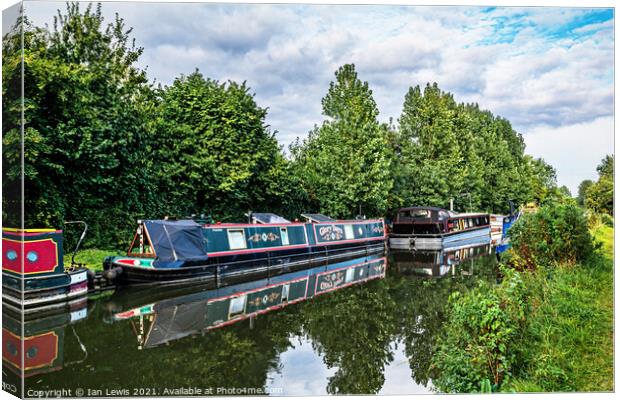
176	242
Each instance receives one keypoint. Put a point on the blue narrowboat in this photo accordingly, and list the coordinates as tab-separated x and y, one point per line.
432	228
33	271
184	251
163	319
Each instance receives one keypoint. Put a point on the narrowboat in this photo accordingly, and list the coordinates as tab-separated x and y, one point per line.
428	228
33	270
184	251
198	311
437	263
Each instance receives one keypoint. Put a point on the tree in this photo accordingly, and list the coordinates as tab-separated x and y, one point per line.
456	151
344	164
430	158
86	125
215	153
582	190
600	195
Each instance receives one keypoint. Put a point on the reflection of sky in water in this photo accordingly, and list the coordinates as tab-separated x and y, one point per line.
303	373
398	378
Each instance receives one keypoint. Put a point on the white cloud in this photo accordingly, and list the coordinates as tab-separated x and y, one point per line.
574	150
533	66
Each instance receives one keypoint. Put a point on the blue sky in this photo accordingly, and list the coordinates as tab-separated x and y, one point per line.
549	70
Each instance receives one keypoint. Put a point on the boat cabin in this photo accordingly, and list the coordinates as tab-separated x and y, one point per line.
435	221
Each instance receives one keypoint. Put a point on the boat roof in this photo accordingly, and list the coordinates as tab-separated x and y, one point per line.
268	218
451	213
317	217
176	240
470	214
422	208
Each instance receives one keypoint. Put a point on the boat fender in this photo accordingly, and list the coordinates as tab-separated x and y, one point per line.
90	274
112	273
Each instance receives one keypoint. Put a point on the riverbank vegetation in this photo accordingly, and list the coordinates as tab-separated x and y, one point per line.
105	145
548	326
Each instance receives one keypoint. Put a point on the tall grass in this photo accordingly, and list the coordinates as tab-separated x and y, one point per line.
565	344
568	343
92	258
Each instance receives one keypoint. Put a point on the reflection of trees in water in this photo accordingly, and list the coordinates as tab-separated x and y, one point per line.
421	310
232	357
351	329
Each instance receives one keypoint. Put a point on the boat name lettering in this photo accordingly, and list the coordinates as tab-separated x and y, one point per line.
331	232
331	281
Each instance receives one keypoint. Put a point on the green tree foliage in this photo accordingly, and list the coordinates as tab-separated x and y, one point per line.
600	195
446	150
555	234
104	146
582	190
344	165
11	125
85	127
477	351
215	153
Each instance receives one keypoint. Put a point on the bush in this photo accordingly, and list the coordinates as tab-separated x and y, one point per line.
555	234
478	349
607	220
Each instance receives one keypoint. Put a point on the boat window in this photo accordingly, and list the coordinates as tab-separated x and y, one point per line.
285	290
420	213
348	232
236	239
284	236
237	306
350	275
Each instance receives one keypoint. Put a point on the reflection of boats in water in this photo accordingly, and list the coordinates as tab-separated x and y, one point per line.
182	314
39	348
439	262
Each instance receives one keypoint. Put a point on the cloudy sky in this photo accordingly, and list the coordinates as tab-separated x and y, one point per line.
548	70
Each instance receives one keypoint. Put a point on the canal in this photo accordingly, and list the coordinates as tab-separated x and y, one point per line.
359	326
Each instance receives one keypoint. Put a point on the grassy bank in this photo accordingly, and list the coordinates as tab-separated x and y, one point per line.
93	258
568	343
541	330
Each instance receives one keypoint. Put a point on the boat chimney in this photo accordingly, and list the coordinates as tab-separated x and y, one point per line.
451	204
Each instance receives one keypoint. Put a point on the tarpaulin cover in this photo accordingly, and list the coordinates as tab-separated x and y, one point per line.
176	321
177	240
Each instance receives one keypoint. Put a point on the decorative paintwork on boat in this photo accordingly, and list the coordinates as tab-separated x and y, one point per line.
202	310
33	272
183	251
434	228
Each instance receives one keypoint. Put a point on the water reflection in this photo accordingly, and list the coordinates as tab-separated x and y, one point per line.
160	322
357	326
42	339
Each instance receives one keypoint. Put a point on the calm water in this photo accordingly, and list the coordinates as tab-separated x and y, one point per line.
368	331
